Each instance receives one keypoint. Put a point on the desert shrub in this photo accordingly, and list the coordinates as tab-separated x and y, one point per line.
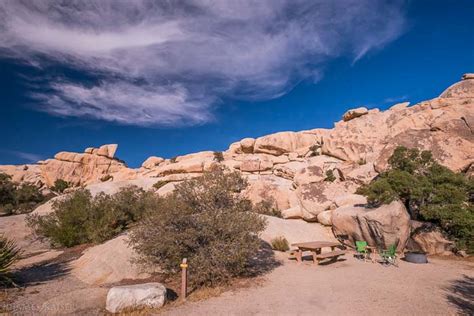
206	221
361	161
314	150
268	206
280	244
81	218
60	185
9	253
18	198
330	177
218	156
173	159
7	194
159	184
430	191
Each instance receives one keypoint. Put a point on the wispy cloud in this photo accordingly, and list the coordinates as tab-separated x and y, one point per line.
169	63
26	157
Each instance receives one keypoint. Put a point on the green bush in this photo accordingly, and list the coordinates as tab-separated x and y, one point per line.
18	198
9	253
330	177
280	244
430	192
81	218
60	185
206	221
268	207
218	156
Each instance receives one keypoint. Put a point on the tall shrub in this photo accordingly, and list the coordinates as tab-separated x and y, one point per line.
206	221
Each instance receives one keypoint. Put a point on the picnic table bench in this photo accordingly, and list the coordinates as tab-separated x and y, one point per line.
315	247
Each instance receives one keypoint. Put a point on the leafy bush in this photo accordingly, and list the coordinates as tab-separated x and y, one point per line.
280	244
159	184
9	253
268	207
330	177
81	218
18	198
206	221
218	156
431	192
60	185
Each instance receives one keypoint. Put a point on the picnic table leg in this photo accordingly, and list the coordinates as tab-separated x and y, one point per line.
314	253
299	256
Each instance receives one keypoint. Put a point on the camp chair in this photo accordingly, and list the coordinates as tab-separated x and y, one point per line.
361	248
389	256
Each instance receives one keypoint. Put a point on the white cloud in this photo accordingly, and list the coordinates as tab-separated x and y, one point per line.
164	63
27	157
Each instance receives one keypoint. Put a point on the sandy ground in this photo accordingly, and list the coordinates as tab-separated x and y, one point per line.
347	287
350	287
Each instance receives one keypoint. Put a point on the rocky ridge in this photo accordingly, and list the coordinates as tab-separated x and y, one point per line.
293	167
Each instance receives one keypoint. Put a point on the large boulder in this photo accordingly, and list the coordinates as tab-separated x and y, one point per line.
246	145
284	142
152	162
106	263
132	297
428	238
380	227
325	218
295	230
271	188
318	197
256	163
353	113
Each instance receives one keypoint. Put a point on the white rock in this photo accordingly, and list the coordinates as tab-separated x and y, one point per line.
131	297
325	218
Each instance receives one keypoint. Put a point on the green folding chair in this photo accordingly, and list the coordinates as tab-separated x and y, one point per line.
389	256
361	248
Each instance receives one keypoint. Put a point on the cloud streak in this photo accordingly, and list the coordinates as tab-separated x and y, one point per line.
160	63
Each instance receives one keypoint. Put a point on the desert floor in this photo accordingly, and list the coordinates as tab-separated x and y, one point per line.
346	287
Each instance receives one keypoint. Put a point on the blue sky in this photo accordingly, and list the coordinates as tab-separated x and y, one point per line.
172	79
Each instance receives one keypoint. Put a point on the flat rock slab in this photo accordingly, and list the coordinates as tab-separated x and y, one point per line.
131	297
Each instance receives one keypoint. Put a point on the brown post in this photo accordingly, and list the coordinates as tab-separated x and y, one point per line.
184	279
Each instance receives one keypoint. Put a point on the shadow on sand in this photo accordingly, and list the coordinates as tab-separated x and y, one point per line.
263	262
47	270
461	295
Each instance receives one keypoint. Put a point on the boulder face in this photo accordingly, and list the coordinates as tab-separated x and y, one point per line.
380	227
107	263
132	297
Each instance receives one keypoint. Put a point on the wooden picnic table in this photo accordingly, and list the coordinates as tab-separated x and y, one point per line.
315	248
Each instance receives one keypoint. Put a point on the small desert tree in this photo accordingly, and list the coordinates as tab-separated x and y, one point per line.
431	192
206	221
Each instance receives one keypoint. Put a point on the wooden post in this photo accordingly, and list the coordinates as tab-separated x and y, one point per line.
184	279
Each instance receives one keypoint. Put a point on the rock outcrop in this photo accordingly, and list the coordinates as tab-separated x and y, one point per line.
380	227
93	165
293	167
